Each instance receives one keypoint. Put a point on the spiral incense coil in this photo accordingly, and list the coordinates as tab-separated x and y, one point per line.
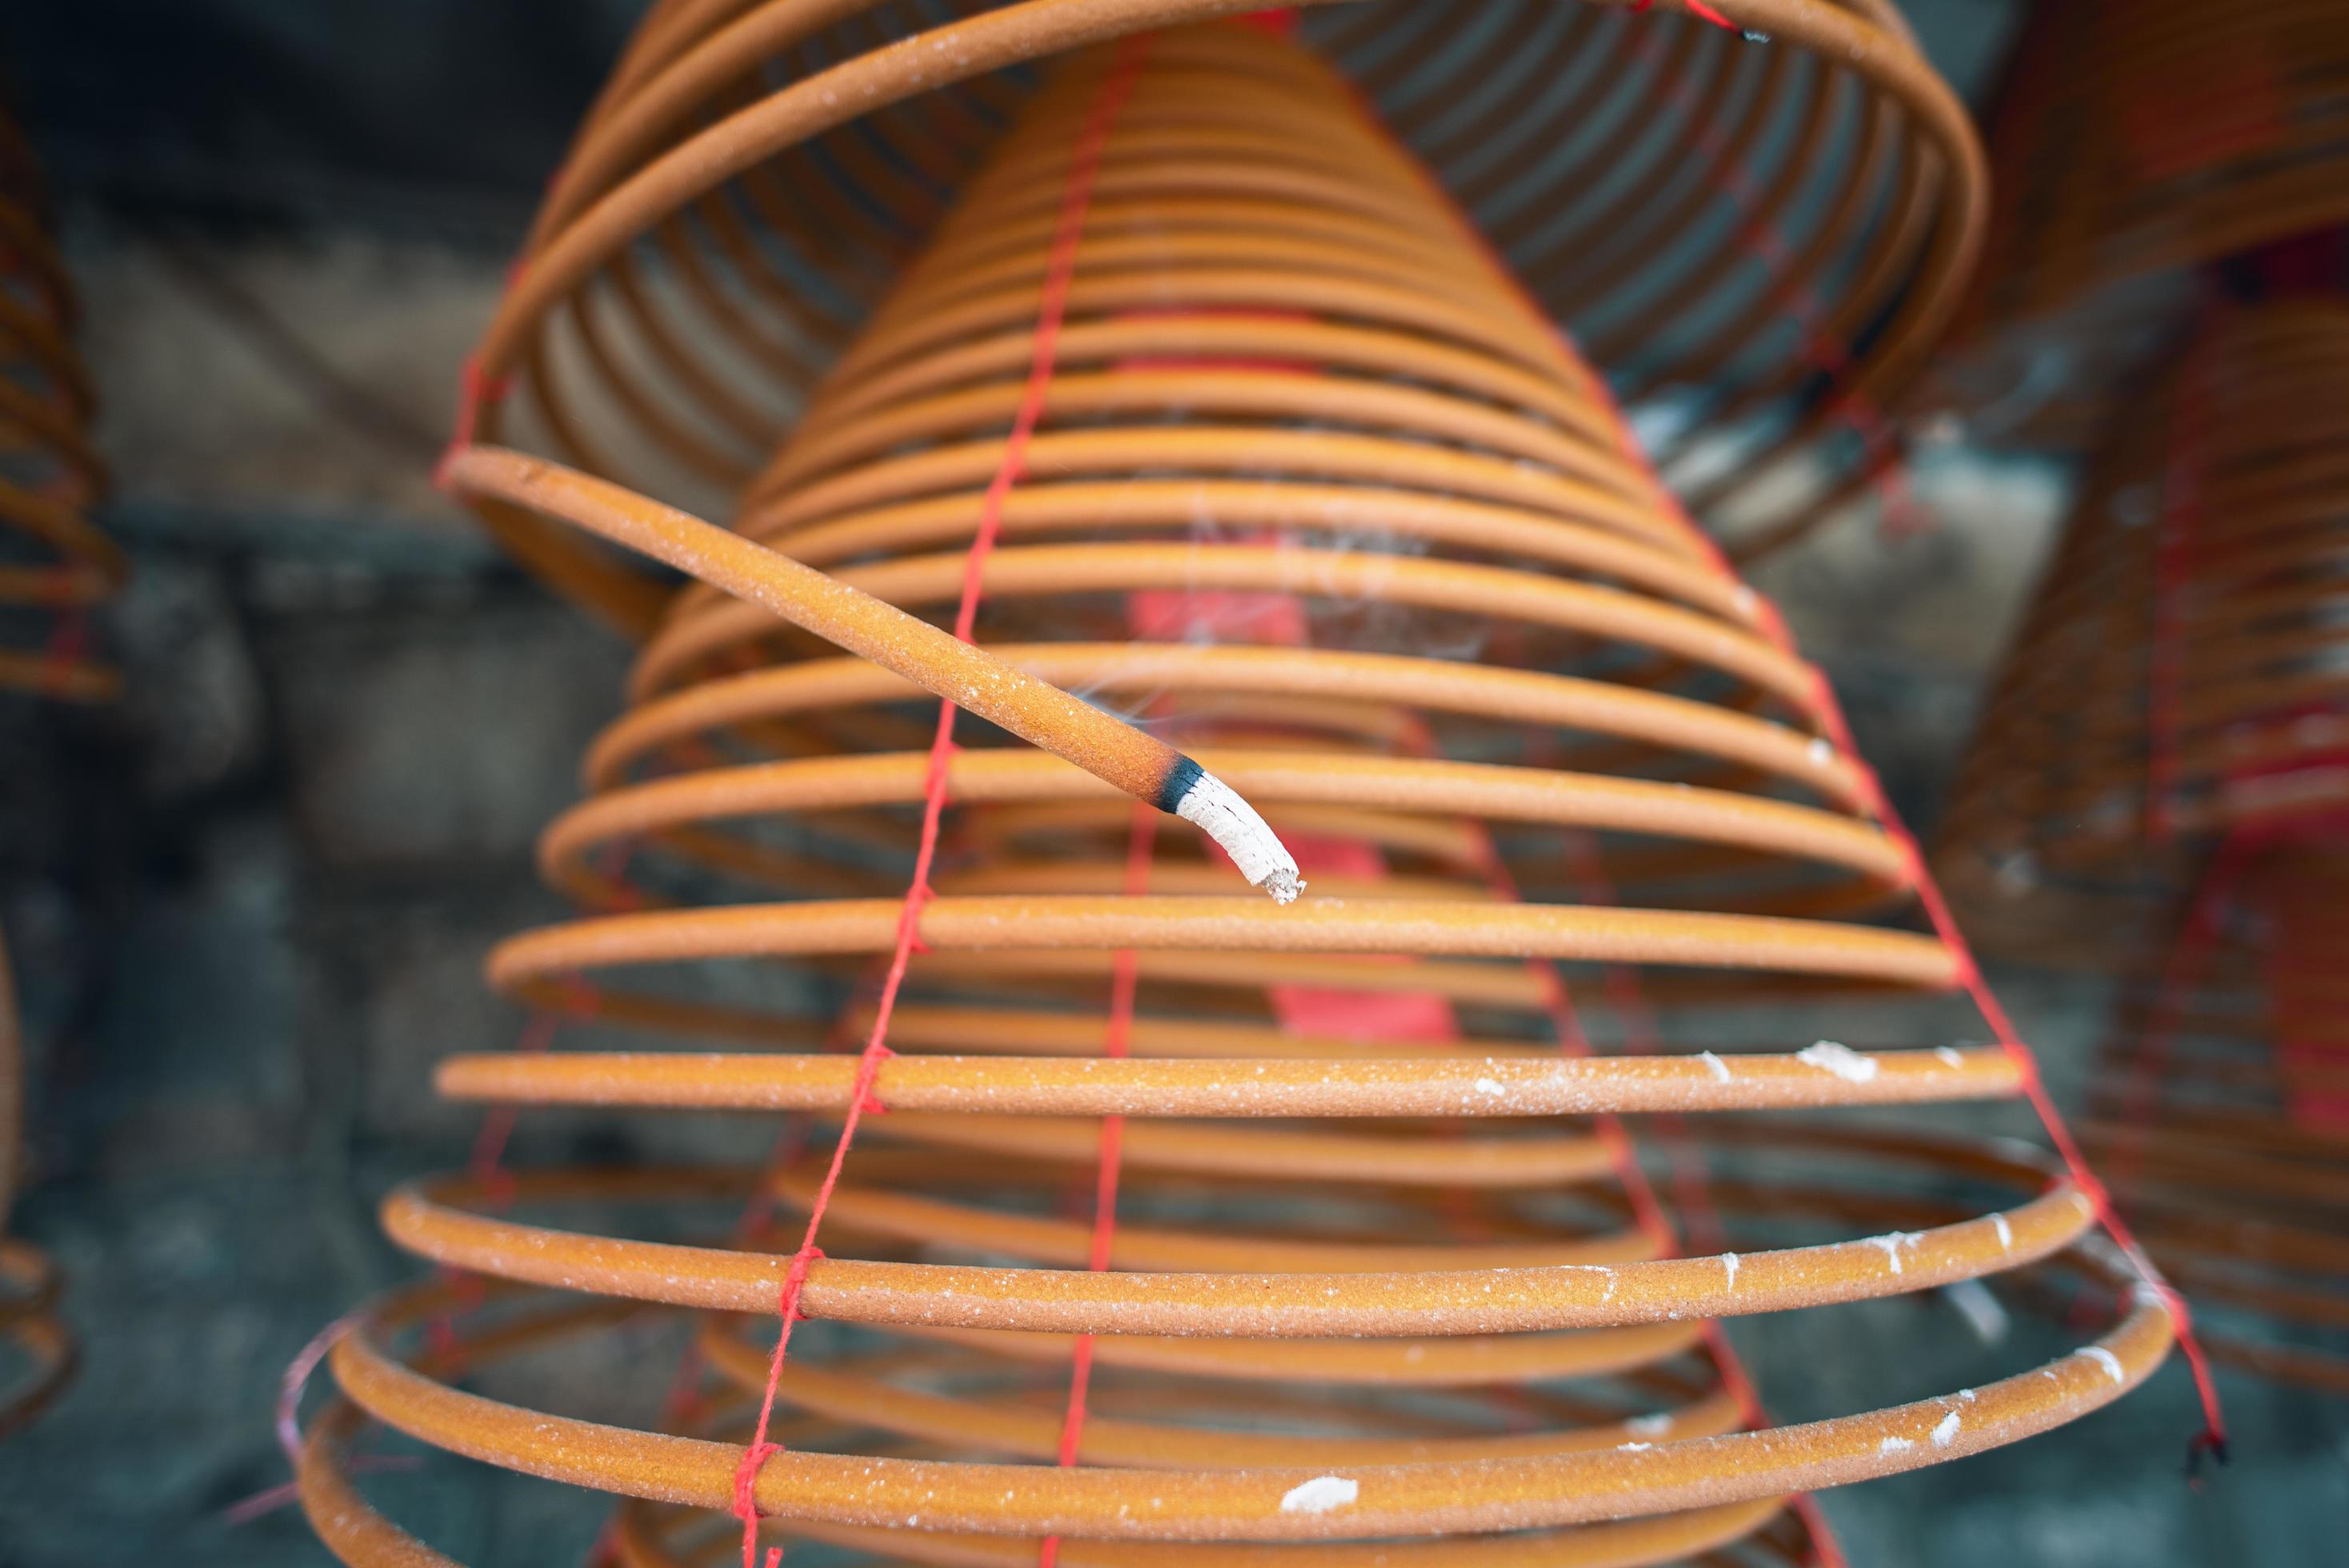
714	242
2134	141
866	1398
2221	1103
1693	202
38	1353
835	1408
2184	669
1367	1193
54	563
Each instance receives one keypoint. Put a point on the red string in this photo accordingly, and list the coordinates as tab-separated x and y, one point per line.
475	391
1629	1002
1773	626
1691	1191
2172	560
1060	271
486	1164
1874	800
1566	1024
1117	1037
1648	1212
1820	347
2213	1435
2183	969
1876	804
1696	8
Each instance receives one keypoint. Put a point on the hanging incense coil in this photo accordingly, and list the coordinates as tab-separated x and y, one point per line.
2135	142
713	243
2221	1103
54	563
54	566
1359	1209
1734	220
508	1320
2182	671
37	1355
2159	786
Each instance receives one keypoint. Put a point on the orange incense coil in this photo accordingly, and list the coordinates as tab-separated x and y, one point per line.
1692	202
39	1355
2180	674
53	566
2134	141
2221	1101
1365	1182
877	1403
54	563
712	244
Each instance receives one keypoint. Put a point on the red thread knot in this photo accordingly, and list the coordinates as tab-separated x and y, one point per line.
868	1103
473	390
2101	1201
786	1300
746	1477
909	919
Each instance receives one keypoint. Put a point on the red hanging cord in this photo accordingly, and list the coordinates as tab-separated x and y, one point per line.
2172	562
475	391
1565	1024
2189	958
2213	1435
1696	8
1117	1036
1896	504
1060	271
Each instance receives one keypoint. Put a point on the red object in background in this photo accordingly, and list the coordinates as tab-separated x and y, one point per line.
1216	615
1388	1016
2188	114
2305	264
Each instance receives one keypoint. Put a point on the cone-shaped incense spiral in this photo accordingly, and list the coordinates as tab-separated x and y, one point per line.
1179	1223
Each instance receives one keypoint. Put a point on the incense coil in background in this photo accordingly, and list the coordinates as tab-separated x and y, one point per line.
2221	1106
711	243
54	562
2135	142
54	566
39	1355
1346	1190
2159	785
2183	670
